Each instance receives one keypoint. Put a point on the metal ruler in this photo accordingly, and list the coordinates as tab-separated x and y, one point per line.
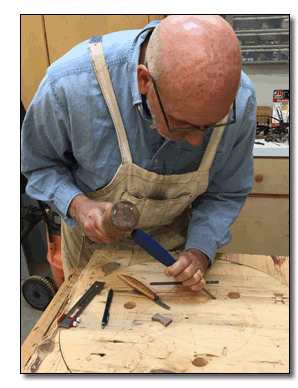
66	320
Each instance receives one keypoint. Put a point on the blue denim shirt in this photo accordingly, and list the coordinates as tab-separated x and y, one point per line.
69	144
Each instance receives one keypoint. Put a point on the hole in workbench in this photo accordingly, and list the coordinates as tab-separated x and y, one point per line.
130	305
199	362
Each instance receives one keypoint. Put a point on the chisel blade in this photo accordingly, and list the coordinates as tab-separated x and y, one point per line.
161	304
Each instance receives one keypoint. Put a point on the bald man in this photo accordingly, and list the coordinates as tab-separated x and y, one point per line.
177	141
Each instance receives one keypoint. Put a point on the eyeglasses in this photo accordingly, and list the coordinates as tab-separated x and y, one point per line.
189	126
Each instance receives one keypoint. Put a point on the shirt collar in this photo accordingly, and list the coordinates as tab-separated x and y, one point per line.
133	61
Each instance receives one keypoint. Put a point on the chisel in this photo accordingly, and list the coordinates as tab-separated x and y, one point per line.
135	284
156	250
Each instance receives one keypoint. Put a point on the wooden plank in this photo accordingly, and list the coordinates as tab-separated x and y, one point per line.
132	343
61	34
47	325
248	334
275	176
66	31
275	266
34	59
156	17
261	228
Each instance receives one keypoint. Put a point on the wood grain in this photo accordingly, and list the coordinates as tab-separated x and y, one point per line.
34	59
275	266
275	174
248	334
262	228
45	38
66	31
46	326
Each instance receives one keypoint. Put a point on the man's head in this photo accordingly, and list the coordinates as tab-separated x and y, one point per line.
195	62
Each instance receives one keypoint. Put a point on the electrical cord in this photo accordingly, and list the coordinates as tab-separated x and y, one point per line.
47	221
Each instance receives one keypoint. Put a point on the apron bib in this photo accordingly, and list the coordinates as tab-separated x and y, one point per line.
163	201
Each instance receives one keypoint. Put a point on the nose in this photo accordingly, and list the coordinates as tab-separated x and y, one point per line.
195	138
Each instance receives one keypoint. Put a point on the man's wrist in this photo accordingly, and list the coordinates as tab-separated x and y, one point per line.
75	207
206	260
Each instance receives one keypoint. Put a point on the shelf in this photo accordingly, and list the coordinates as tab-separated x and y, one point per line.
263	39
266	47
263	17
265	62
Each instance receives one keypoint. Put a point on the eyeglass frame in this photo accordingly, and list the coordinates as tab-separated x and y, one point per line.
192	128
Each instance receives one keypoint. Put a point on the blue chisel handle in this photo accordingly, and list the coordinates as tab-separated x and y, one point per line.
152	247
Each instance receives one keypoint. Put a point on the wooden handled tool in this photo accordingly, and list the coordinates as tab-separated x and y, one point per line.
135	284
122	217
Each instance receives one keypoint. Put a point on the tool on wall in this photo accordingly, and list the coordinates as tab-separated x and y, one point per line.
135	284
156	250
66	320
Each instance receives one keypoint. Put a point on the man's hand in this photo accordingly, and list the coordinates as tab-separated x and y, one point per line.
186	267
89	215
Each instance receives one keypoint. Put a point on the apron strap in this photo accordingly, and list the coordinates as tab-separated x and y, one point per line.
213	145
103	77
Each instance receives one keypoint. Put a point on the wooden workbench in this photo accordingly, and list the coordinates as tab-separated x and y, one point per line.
245	330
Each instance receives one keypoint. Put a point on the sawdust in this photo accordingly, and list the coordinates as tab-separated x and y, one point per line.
147	337
164	357
131	366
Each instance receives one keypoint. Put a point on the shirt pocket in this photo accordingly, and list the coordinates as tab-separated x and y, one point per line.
155	212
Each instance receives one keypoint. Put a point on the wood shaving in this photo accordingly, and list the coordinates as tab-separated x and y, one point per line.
147	337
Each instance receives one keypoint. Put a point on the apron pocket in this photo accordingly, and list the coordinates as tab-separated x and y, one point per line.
175	207
155	212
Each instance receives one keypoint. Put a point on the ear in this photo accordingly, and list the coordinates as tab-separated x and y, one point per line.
143	77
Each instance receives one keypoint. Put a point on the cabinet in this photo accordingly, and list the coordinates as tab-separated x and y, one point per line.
263	224
45	38
263	39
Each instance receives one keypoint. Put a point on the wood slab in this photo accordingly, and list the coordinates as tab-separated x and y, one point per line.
245	330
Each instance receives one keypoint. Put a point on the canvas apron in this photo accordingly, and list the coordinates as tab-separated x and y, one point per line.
163	201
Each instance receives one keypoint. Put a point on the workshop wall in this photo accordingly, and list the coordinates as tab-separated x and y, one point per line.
266	79
45	38
259	34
